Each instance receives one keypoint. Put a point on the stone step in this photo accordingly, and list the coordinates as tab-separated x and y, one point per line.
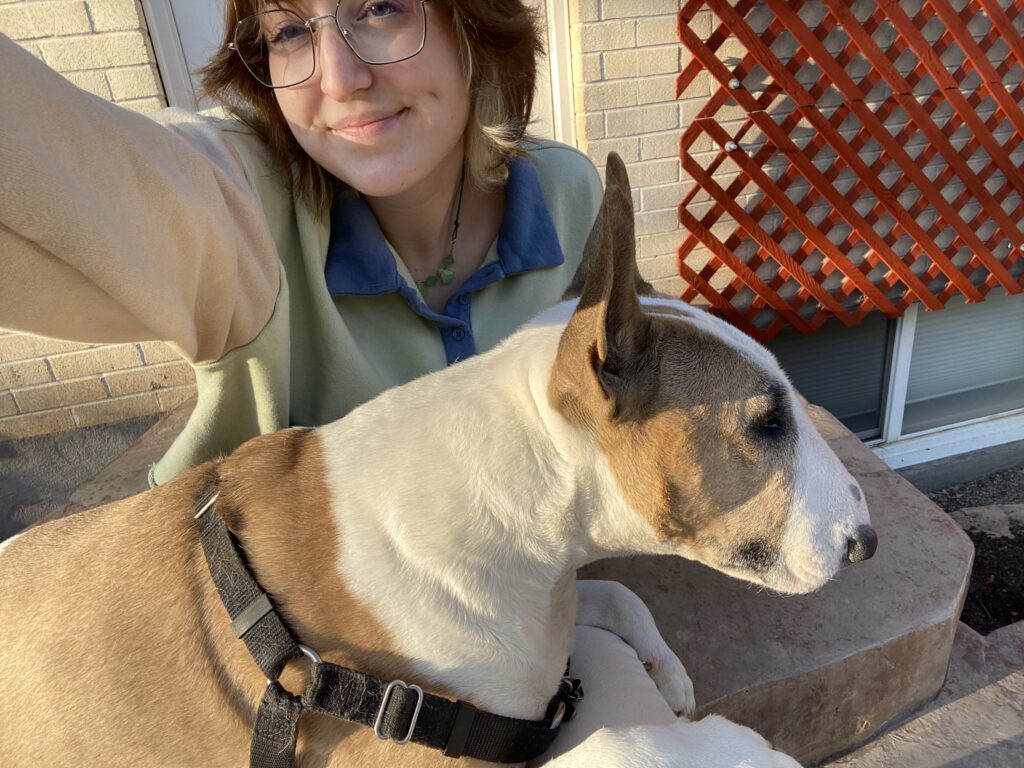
977	720
818	674
128	474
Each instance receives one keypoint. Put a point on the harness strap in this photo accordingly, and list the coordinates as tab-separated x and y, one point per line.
455	727
396	711
263	632
276	729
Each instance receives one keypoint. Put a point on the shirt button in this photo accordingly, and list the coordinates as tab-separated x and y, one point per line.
458	334
464	299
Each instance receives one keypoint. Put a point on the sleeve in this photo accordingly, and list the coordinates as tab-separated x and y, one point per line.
114	227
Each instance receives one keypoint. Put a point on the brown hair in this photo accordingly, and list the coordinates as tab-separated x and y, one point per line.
499	43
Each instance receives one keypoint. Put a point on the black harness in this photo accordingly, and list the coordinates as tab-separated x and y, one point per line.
396	711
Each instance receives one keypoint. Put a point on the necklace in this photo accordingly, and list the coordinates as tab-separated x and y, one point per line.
444	275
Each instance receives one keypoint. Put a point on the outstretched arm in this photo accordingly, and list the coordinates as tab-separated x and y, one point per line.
114	227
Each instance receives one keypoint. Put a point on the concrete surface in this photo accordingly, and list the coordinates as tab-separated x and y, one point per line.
977	721
817	674
128	474
942	473
39	474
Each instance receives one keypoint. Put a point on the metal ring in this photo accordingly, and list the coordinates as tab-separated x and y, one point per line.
559	714
309	653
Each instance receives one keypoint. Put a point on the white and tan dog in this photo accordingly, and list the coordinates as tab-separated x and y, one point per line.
433	535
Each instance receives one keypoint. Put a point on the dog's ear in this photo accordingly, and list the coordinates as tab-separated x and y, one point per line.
608	347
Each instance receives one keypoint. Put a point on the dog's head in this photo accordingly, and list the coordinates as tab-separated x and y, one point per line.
707	441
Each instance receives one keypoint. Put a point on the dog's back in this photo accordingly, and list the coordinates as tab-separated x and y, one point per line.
70	590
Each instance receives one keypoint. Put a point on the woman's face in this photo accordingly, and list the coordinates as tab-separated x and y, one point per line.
382	129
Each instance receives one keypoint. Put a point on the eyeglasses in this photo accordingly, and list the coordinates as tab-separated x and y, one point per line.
279	49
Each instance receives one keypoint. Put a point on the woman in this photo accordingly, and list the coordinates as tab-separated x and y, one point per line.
367	212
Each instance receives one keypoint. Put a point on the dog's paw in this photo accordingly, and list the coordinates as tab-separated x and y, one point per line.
675	685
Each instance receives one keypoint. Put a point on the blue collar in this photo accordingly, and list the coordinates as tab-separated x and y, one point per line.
360	263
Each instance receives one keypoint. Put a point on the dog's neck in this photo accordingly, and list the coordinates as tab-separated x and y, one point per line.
473	572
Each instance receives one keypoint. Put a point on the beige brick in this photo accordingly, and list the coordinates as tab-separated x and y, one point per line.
170	399
597	96
92	81
62	394
628	9
659	145
144	105
658	30
32	424
149	378
605	36
116	49
590	127
652	246
587	68
116	410
641	62
27	21
24	373
628	149
656	222
134	83
32	48
584	10
661	266
661	197
157	352
637	120
115	15
699	88
25	346
673	286
658	88
100	360
7	405
653	172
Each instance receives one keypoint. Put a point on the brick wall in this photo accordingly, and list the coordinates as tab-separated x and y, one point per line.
626	56
46	385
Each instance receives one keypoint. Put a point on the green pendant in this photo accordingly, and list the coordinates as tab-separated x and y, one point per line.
446	275
447	261
431	281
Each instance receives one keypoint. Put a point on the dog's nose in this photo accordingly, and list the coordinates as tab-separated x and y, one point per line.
863	545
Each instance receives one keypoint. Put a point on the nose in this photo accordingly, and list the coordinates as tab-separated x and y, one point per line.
863	545
342	73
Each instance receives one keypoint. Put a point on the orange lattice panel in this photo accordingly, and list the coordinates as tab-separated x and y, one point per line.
851	157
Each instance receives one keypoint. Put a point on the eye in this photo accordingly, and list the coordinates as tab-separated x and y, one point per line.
381	9
771	424
287	33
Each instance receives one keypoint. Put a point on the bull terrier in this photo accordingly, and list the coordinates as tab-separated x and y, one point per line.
430	538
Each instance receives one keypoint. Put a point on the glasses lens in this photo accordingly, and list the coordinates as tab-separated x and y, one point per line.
276	47
383	31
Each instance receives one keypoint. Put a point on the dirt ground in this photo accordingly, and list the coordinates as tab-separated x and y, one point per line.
991	511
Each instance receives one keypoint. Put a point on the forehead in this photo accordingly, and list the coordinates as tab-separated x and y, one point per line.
714	355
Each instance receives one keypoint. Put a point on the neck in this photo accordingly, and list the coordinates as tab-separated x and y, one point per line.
470	572
418	221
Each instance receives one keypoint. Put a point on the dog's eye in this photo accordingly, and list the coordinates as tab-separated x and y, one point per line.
771	424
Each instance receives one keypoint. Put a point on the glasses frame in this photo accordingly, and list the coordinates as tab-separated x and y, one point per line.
345	35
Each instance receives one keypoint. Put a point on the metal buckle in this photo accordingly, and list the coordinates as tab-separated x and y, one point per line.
384	704
567	706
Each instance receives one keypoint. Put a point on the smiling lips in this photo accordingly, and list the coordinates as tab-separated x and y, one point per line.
367	126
